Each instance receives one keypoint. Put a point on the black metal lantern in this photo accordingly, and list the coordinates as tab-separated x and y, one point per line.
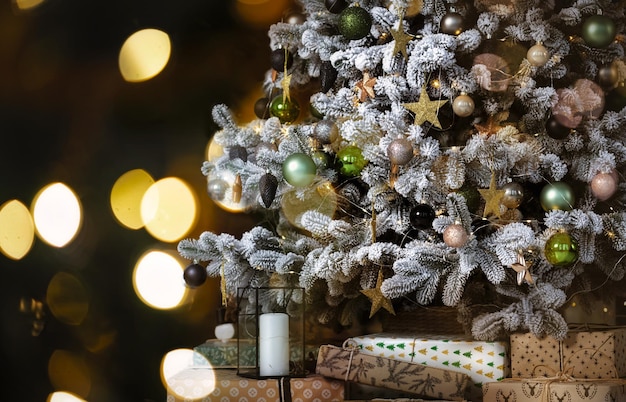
270	328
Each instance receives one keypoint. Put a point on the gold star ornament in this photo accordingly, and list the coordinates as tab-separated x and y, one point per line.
377	298
425	110
492	197
401	39
366	87
522	268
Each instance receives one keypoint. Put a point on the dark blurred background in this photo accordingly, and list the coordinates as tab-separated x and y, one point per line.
67	115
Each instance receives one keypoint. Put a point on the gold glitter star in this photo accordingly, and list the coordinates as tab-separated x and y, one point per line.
425	109
366	87
492	197
401	39
377	298
285	84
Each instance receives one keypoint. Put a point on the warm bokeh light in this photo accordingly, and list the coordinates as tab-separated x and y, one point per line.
169	209
64	397
67	298
68	371
24	5
57	214
17	230
176	361
158	280
144	55
261	13
126	196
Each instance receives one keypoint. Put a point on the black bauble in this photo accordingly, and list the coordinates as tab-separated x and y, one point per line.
262	108
556	130
422	216
335	6
281	59
194	275
238	152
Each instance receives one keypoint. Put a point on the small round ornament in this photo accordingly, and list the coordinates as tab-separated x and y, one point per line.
238	152
538	55
608	75
561	249
463	105
295	18
557	196
422	216
325	130
281	60
513	195
400	151
598	31
604	185
351	161
262	108
321	159
354	23
216	188
286	110
299	170
455	235
194	275
335	6
556	130
452	23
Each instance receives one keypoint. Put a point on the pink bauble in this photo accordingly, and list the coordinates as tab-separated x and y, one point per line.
584	100
455	235
603	186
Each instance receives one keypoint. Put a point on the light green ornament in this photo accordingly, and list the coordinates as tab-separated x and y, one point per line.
351	161
557	195
598	31
561	250
299	170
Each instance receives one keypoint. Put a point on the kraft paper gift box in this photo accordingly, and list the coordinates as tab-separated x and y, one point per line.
551	390
583	354
351	364
207	385
481	361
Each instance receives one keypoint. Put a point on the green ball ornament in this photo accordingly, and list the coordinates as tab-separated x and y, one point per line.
299	170
561	250
557	195
354	23
286	110
598	31
471	195
351	161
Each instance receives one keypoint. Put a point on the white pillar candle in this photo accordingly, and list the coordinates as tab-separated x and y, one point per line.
273	344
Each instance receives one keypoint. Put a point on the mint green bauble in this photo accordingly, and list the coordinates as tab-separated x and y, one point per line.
351	161
286	110
598	31
557	195
299	170
355	23
561	250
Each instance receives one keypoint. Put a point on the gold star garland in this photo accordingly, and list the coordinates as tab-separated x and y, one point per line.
492	197
366	87
425	109
377	298
401	39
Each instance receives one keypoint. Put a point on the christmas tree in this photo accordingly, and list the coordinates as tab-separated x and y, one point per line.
430	152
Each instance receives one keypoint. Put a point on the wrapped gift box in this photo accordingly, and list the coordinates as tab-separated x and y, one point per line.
207	385
353	365
583	354
548	390
481	361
